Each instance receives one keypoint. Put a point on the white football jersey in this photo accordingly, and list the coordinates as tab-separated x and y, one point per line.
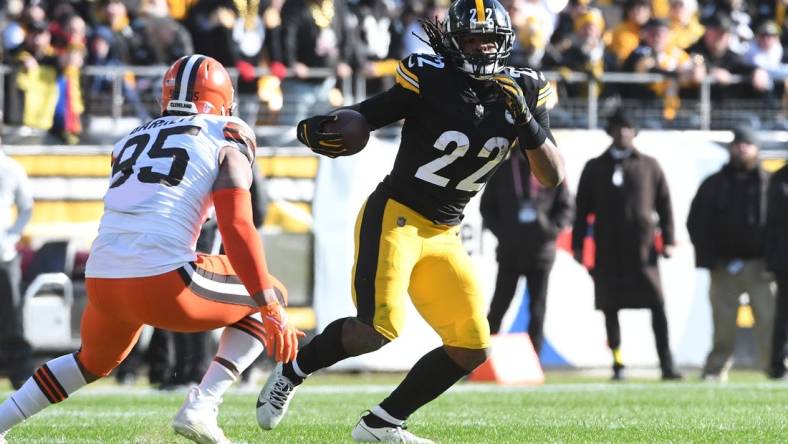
160	193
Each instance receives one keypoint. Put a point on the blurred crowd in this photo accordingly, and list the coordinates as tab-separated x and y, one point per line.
309	46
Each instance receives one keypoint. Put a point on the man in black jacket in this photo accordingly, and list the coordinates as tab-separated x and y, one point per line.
624	189
526	218
777	261
317	34
726	224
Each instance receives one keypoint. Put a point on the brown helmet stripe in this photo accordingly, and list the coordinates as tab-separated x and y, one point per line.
192	77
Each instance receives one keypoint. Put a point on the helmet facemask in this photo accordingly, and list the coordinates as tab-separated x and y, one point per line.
478	64
486	19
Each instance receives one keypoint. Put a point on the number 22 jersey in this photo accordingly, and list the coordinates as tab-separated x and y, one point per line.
456	133
160	193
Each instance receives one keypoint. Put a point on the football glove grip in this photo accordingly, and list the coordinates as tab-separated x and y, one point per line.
310	133
281	338
529	131
514	99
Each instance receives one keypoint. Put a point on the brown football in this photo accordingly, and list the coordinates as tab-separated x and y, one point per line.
353	127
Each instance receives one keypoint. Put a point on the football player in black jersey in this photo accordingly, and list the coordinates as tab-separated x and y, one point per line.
464	111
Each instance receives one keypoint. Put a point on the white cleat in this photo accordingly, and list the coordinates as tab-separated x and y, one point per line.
364	433
274	398
196	420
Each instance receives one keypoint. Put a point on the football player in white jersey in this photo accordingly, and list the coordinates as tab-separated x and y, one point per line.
143	269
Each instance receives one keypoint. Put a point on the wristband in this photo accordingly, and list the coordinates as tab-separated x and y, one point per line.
531	134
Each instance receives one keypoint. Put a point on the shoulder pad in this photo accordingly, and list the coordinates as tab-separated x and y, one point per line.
532	82
412	69
242	138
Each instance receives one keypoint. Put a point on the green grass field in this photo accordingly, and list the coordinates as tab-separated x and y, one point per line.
568	409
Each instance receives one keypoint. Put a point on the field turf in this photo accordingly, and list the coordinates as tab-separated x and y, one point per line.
570	408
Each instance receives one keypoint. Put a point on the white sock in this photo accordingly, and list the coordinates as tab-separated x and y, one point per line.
384	415
51	383
239	346
297	370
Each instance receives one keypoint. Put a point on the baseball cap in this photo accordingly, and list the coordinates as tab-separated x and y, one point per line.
744	135
719	21
768	28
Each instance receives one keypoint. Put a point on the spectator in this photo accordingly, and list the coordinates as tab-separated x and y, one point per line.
735	11
162	40
67	123
36	80
211	24
655	55
777	261
721	62
104	52
125	43
625	189
685	29
767	53
526	218
726	225
15	190
533	25
413	38
565	28
626	36
586	52
316	35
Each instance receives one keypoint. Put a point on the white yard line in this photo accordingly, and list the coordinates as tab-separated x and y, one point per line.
112	390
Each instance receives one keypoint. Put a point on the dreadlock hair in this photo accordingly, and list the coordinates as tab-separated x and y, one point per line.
436	38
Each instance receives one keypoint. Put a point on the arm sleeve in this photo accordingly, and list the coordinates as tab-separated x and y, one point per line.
259	197
664	208
23	199
583	207
241	240
562	212
488	206
387	107
696	217
543	117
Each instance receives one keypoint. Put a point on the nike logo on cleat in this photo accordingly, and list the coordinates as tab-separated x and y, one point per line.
261	403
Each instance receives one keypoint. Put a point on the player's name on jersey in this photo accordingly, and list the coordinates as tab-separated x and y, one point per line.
156	123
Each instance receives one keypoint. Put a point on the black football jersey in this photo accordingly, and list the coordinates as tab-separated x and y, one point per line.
456	132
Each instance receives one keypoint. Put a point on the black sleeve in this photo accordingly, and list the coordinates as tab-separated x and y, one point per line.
488	206
664	208
584	205
259	197
562	212
543	117
387	107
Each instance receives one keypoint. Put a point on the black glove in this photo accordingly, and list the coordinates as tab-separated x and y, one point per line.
514	98
310	133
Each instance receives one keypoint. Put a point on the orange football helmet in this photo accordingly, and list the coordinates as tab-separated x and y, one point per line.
197	84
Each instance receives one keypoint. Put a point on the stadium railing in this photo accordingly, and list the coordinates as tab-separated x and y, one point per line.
115	102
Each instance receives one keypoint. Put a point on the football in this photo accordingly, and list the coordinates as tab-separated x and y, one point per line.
353	127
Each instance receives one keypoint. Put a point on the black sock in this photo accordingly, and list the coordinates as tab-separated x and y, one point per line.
432	375
323	350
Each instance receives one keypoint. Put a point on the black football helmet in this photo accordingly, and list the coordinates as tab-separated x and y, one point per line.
466	17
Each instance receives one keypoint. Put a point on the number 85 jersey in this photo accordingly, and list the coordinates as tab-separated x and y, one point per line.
456	133
160	193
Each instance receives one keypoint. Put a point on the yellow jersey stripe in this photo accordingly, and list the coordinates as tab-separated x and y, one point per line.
408	73
546	88
406	82
480	14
